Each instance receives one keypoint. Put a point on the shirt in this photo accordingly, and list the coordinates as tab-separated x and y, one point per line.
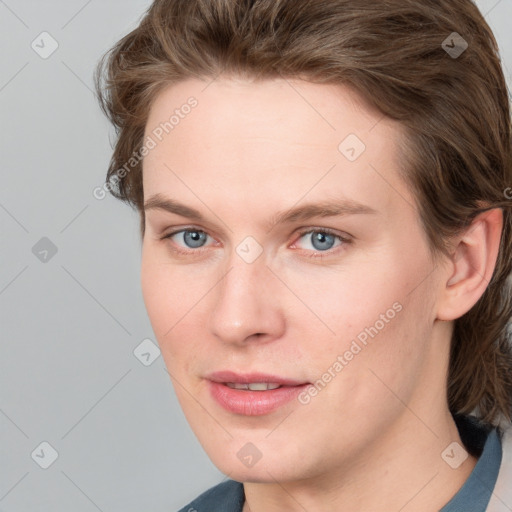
480	441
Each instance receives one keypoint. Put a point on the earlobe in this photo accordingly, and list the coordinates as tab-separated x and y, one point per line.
472	265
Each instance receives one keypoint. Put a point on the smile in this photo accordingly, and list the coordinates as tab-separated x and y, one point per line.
252	394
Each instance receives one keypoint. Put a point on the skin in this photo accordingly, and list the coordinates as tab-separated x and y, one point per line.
372	438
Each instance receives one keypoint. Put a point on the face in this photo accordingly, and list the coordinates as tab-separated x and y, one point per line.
289	252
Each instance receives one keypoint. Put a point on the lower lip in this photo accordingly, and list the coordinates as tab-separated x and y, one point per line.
253	403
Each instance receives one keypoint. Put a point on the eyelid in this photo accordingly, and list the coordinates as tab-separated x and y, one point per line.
175	231
328	231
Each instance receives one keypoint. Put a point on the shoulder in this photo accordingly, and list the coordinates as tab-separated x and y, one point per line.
501	499
225	497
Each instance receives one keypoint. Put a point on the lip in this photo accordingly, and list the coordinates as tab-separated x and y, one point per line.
252	403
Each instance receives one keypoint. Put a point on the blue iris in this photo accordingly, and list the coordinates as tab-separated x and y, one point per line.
194	239
322	241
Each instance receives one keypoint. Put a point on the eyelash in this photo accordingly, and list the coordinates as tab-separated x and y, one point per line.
312	254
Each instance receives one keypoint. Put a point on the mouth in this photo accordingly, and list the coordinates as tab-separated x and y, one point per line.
253	394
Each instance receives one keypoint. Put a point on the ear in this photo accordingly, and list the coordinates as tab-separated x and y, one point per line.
471	265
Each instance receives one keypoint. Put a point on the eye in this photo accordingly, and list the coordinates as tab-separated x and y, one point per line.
189	238
320	240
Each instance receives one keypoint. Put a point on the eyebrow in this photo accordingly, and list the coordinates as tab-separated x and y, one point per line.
296	214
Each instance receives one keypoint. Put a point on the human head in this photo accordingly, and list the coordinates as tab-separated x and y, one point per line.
456	158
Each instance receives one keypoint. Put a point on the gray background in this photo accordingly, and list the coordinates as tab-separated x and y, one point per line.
71	321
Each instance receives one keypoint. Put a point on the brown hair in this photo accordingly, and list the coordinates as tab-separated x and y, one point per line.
454	108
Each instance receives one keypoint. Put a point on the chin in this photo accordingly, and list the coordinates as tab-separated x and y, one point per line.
276	466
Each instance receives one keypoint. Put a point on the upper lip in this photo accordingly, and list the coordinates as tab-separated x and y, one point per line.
247	378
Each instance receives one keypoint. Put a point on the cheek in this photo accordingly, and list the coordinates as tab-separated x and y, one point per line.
157	297
387	354
167	289
174	300
376	313
342	303
164	296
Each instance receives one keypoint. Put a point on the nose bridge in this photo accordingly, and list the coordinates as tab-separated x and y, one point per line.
245	302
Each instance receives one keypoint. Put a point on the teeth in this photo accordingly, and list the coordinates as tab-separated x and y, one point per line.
253	386
236	385
262	386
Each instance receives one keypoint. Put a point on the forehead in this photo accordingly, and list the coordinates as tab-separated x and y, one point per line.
265	107
272	135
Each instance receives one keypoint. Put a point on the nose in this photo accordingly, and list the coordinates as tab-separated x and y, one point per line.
247	304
